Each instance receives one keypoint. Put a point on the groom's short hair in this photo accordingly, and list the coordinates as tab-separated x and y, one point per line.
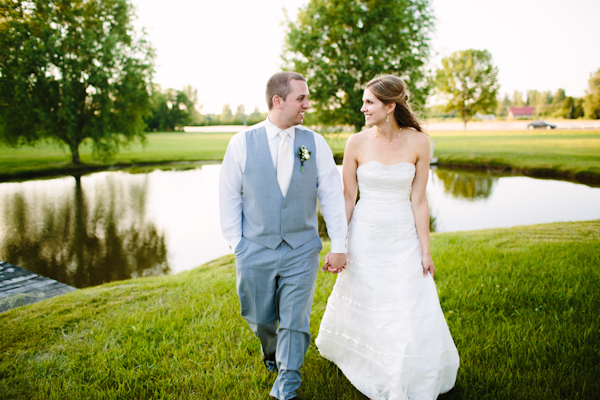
279	84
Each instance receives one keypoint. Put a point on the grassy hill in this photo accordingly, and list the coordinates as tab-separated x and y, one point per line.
522	304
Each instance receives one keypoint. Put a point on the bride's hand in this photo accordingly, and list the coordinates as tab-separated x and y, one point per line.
335	262
326	263
428	266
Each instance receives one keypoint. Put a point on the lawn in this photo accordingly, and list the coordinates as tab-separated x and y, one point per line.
522	304
566	154
53	159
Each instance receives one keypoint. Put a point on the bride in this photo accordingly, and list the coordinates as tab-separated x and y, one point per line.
383	325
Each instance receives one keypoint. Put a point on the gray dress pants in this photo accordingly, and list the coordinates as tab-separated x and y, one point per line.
276	289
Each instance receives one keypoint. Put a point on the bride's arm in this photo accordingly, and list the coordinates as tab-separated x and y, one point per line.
349	166
419	202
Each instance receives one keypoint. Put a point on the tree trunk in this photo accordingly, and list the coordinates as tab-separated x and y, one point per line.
75	154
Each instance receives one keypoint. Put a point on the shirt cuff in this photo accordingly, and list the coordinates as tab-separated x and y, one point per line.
234	242
338	245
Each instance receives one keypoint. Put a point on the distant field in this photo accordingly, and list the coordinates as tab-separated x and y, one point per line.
51	158
569	154
572	154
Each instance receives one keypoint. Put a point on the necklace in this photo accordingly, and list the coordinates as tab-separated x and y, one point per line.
386	144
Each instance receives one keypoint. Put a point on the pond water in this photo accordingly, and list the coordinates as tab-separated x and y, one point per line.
116	225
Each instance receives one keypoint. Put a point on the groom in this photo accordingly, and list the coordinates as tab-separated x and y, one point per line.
271	177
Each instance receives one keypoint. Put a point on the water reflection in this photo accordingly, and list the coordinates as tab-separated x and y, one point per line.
465	185
116	225
80	238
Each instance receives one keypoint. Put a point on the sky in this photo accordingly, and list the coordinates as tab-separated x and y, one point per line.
228	49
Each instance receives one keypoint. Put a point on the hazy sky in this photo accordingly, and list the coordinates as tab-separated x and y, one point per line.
228	49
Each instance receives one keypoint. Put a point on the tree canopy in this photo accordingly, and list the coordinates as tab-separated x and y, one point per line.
468	82
172	109
591	100
72	70
340	45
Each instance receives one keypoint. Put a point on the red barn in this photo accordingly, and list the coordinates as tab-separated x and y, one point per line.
520	112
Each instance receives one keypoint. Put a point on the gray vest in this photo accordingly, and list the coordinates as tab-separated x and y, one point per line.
267	217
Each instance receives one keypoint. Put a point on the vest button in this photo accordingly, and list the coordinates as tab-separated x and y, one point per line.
284	206
284	220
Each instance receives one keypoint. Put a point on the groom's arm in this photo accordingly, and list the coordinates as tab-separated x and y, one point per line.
230	190
331	197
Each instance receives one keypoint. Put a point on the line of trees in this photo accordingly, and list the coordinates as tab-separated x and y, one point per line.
171	110
227	117
467	82
546	104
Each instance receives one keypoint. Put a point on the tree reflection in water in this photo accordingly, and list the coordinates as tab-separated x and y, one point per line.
466	185
86	243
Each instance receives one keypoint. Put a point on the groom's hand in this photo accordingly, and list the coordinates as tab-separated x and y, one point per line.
335	262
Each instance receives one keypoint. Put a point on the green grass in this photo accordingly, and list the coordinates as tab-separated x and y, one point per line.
522	304
568	154
573	155
53	159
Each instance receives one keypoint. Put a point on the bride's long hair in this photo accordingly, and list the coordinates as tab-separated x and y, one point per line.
391	89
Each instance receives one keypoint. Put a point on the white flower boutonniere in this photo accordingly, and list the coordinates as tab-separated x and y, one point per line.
304	155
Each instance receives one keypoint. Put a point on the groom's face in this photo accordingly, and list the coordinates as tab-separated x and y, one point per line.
294	107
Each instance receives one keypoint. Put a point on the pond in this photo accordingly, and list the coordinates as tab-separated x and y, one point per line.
116	225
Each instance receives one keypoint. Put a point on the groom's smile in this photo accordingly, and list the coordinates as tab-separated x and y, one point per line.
294	107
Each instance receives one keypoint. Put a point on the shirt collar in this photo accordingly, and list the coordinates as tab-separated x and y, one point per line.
273	130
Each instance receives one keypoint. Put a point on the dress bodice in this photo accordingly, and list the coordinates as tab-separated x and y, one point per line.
380	182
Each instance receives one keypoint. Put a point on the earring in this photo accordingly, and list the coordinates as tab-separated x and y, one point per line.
388	118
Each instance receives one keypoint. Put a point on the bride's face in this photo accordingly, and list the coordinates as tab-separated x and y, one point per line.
375	111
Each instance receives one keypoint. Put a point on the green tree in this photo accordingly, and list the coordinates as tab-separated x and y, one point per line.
172	109
502	107
568	108
517	99
591	100
226	114
558	100
190	98
339	45
256	115
538	100
240	115
72	70
468	81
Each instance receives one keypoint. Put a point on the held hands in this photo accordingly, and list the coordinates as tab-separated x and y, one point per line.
427	263
335	262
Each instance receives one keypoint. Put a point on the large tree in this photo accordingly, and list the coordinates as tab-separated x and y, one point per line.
591	100
468	82
339	45
73	70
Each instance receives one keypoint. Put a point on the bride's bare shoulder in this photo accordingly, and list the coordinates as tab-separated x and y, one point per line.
360	137
418	138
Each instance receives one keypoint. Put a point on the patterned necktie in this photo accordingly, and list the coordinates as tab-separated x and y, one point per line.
285	163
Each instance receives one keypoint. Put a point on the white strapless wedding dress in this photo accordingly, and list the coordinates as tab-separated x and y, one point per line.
383	325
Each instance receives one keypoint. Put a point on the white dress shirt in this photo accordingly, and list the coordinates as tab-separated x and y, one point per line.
329	186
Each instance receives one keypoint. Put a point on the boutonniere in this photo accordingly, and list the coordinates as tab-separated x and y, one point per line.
304	155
